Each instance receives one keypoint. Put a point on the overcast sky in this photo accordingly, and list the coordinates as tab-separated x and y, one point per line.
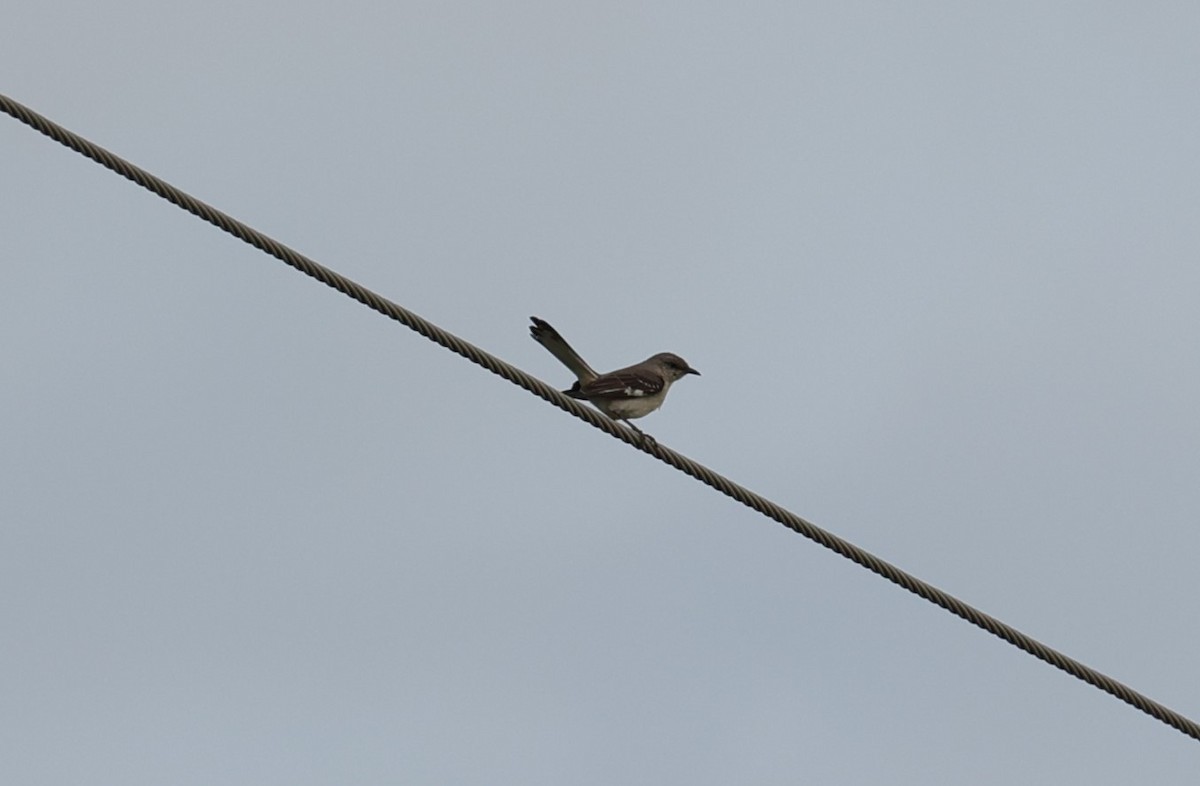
938	263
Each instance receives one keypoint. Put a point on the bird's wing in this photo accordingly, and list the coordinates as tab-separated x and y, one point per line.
627	383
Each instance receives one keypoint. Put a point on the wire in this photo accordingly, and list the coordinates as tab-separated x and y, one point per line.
593	417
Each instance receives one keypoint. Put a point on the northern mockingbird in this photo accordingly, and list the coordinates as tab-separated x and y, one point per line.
624	394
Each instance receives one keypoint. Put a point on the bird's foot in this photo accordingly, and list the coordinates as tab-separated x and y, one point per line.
644	439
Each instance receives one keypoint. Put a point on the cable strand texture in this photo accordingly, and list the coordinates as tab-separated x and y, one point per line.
594	418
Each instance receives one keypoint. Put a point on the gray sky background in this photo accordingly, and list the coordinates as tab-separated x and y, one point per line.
939	264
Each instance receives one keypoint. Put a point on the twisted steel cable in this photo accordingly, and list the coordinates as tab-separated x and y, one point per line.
594	418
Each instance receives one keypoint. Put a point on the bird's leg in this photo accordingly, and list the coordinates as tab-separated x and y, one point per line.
645	438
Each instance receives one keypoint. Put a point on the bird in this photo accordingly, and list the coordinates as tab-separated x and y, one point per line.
625	394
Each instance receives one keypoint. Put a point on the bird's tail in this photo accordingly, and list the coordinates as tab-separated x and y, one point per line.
549	338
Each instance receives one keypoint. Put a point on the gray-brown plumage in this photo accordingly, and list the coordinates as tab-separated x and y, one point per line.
624	394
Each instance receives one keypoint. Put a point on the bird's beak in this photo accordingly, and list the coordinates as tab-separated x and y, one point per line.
692	371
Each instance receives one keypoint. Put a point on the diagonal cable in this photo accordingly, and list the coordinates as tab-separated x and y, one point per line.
544	391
